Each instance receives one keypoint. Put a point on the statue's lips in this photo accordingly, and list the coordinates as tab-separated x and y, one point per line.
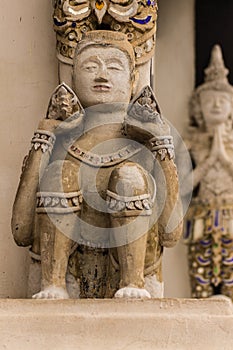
216	111
101	87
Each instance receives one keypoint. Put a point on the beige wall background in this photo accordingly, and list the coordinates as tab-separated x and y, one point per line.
28	71
174	82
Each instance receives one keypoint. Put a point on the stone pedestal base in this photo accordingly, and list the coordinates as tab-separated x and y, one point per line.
116	324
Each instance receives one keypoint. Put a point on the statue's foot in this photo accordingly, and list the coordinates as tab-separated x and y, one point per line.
133	293
52	293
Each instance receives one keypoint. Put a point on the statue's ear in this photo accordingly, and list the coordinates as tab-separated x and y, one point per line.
135	79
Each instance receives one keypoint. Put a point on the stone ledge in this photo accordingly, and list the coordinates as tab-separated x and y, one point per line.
116	324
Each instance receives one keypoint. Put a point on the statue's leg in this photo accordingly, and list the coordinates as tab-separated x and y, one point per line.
130	208
57	209
153	263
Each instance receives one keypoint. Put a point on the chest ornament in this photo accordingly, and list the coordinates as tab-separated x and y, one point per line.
103	160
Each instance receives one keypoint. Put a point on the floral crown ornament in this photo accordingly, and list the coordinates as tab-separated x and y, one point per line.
135	18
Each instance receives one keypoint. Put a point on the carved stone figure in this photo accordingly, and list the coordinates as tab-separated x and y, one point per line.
98	196
209	227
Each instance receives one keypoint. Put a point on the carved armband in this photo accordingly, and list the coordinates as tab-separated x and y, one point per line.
128	206
58	203
162	147
43	140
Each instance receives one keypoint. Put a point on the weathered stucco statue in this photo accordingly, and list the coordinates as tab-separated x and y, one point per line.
209	227
98	196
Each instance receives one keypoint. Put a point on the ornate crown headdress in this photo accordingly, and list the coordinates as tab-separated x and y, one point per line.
135	18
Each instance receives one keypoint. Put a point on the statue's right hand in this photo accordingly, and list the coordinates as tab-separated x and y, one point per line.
59	127
49	125
217	146
213	154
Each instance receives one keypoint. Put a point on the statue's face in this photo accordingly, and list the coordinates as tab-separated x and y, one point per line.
102	75
216	106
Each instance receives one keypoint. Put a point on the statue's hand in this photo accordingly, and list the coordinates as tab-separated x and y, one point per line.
213	155
219	147
64	113
144	120
143	130
48	125
63	103
59	127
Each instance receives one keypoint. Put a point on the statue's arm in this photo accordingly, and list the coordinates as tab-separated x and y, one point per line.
64	114
170	221
201	163
25	201
145	124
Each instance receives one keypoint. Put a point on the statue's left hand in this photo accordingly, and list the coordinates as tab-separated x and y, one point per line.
144	120
145	130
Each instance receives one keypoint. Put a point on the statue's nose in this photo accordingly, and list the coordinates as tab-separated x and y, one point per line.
216	102
102	74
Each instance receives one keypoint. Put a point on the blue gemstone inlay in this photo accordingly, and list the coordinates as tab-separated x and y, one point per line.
57	23
227	282
216	219
188	227
228	260
141	21
226	241
203	261
205	243
150	3
201	280
73	25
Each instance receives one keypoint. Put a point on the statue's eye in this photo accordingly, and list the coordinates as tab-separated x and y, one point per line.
91	67
209	100
224	99
114	66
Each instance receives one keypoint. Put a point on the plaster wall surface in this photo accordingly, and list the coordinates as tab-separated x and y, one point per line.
174	82
28	76
28	71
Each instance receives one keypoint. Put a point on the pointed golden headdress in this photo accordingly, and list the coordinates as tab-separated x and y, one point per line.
216	73
135	18
215	79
